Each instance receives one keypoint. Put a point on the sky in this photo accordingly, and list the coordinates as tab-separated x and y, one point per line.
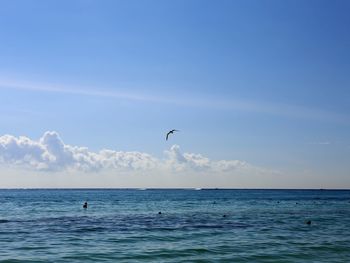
260	91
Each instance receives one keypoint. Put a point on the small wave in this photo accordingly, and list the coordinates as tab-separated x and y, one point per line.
91	229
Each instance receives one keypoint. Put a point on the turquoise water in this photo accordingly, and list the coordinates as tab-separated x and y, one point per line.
194	226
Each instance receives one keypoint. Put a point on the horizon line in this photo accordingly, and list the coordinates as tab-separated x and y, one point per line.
172	188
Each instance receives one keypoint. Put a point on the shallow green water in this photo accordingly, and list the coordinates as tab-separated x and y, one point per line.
194	226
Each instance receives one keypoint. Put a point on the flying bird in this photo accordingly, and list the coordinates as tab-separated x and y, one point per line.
170	132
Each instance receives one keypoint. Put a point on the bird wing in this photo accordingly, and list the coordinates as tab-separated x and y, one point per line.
172	131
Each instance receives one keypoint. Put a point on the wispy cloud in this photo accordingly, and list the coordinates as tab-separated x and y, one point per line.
50	88
231	104
320	143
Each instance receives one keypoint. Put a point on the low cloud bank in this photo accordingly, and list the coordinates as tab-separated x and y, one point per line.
50	153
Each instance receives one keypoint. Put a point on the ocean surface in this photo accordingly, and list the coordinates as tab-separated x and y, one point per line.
195	225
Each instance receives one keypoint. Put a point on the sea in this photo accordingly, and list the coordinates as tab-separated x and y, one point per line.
174	225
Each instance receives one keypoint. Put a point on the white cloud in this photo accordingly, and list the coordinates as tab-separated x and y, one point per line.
191	161
50	153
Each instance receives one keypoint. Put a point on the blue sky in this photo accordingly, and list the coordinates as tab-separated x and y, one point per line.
263	82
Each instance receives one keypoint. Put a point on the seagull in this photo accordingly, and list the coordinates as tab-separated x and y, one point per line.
170	132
